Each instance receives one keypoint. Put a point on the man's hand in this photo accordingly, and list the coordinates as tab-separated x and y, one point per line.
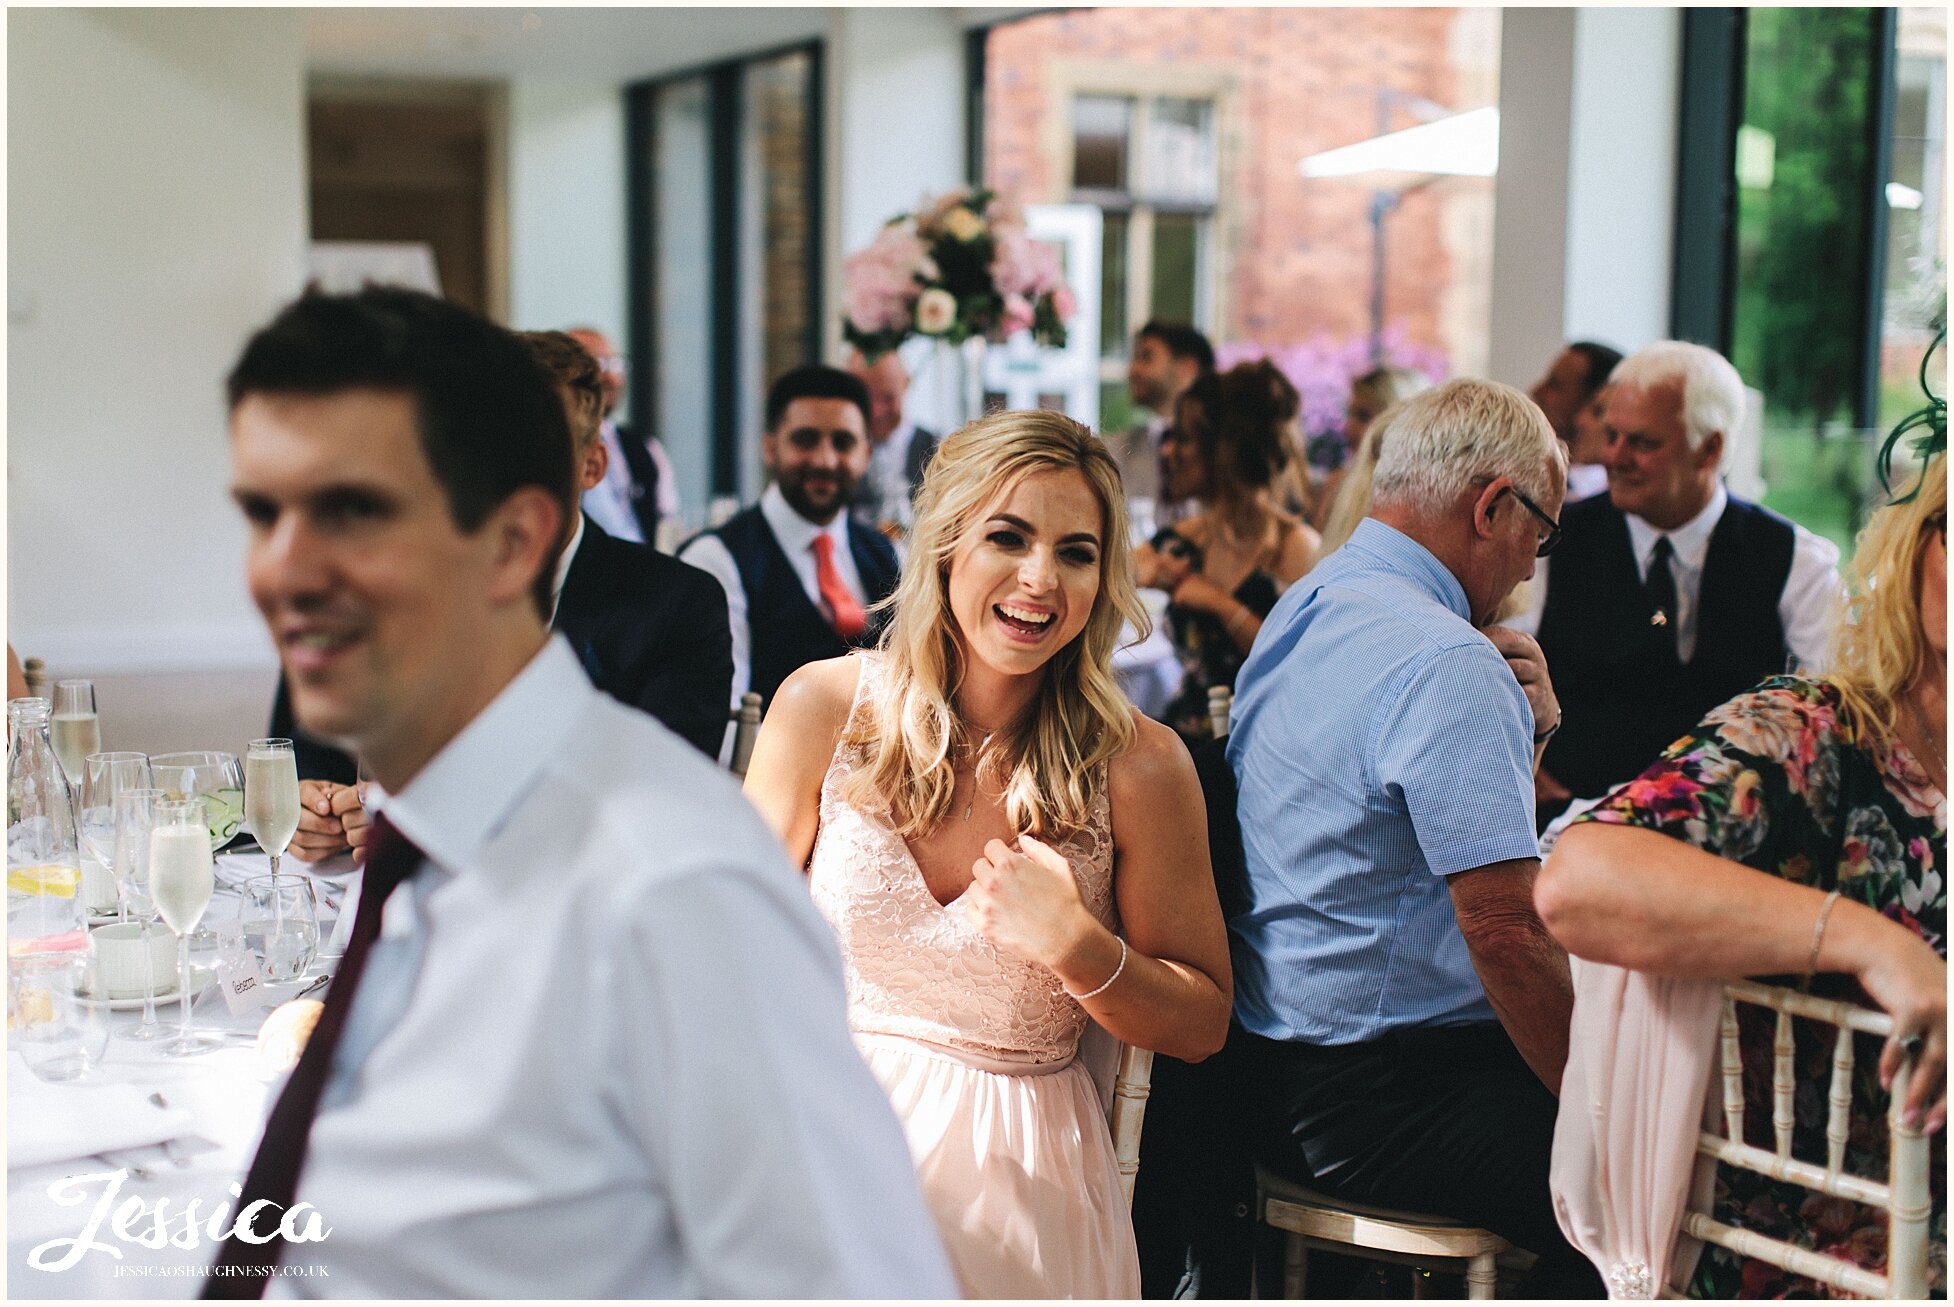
320	833
1529	668
1548	790
354	819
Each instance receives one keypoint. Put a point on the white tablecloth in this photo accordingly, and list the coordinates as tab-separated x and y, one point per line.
226	1094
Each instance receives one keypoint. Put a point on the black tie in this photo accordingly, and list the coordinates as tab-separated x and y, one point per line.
390	859
1661	588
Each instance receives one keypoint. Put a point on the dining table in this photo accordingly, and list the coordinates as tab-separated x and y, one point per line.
115	1179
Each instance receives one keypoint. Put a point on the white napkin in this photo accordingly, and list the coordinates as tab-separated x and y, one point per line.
56	1123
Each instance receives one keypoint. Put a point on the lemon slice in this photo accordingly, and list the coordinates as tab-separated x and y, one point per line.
48	881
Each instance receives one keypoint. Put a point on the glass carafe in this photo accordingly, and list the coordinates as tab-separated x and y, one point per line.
44	903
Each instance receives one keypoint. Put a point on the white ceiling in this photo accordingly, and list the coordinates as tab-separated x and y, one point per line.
619	44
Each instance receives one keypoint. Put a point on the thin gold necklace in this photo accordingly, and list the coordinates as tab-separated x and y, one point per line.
1927	734
976	757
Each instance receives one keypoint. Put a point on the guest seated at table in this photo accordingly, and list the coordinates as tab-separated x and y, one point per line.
1572	384
981	813
1225	564
650	631
603	1050
1800	829
1403	1011
1370	395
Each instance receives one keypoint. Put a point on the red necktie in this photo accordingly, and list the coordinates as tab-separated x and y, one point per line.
847	615
391	858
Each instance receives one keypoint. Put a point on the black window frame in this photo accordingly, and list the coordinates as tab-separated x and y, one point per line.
725	88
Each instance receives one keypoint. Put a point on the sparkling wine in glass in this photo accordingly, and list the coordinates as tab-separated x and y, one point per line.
75	731
181	878
271	796
219	781
106	777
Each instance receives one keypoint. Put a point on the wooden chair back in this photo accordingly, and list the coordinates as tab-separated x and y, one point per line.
746	727
1903	1192
1131	1088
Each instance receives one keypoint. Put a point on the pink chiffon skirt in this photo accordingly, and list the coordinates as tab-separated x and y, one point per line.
1017	1165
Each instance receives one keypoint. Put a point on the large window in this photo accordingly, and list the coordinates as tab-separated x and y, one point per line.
1828	203
724	261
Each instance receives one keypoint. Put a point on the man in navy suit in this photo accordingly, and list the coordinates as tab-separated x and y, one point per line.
800	575
901	450
649	630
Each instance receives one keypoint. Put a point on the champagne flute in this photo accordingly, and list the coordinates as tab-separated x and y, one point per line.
105	778
75	731
271	796
181	878
219	781
135	817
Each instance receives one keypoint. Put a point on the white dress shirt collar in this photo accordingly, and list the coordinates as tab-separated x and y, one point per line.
795	533
1690	541
462	796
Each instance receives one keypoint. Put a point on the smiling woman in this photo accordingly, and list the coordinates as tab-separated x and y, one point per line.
980	812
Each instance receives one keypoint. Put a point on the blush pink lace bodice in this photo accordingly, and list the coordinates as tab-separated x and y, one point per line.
918	969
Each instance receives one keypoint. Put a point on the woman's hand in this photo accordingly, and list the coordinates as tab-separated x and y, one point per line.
1198	594
1028	903
1908	981
1170	569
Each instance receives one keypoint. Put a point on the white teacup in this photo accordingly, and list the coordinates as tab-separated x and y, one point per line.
120	950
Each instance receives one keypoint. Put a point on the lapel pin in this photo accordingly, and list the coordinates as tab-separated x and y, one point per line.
1660	618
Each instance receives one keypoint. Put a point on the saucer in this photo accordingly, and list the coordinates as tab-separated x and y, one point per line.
164	998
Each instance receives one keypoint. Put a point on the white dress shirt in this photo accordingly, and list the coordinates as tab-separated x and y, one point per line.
1805	608
795	535
891	462
1586	480
617	1064
609	501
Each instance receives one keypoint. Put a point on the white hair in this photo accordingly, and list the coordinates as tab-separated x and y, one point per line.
1713	393
1434	446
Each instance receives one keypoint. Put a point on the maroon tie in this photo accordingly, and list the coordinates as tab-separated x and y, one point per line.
274	1176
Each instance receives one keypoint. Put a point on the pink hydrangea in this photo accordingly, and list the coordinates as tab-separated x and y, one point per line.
882	279
1018	315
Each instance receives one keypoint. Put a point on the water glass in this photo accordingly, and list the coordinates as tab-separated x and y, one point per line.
105	778
279	919
60	1036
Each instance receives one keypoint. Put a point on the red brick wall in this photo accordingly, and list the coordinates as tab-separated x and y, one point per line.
1307	81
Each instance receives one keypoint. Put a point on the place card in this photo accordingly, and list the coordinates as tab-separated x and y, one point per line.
242	987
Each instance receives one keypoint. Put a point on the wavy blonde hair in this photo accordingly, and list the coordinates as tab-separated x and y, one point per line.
1878	646
1049	762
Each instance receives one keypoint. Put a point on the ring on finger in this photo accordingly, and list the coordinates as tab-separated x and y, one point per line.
1911	1044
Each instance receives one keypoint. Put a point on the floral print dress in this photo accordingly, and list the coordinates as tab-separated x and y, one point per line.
1776	780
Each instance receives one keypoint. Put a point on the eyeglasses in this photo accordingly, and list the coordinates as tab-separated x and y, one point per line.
1552	537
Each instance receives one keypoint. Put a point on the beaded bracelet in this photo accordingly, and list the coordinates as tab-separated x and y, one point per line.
1094	993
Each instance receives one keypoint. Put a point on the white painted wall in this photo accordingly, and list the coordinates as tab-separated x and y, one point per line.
895	125
1621	212
157	195
566	205
1584	206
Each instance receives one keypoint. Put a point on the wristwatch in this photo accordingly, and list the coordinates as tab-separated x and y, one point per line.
1560	716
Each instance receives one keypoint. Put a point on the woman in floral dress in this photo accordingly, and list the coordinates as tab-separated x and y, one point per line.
1802	828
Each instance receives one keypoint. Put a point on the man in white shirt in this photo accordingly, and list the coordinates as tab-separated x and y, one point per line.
800	577
1668	595
594	1044
900	450
1167	357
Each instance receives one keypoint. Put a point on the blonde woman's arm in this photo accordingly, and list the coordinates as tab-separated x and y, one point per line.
795	745
1173	991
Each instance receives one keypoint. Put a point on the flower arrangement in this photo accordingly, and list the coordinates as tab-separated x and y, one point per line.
961	266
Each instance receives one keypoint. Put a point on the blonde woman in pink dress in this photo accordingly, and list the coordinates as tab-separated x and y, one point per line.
1004	849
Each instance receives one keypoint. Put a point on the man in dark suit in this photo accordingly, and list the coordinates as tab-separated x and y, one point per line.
649	630
800	578
900	451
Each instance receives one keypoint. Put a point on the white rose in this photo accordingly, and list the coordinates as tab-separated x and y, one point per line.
936	311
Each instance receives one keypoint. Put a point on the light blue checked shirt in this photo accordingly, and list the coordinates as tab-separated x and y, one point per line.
1380	744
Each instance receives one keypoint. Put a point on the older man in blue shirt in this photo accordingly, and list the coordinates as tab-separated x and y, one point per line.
1404	1013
